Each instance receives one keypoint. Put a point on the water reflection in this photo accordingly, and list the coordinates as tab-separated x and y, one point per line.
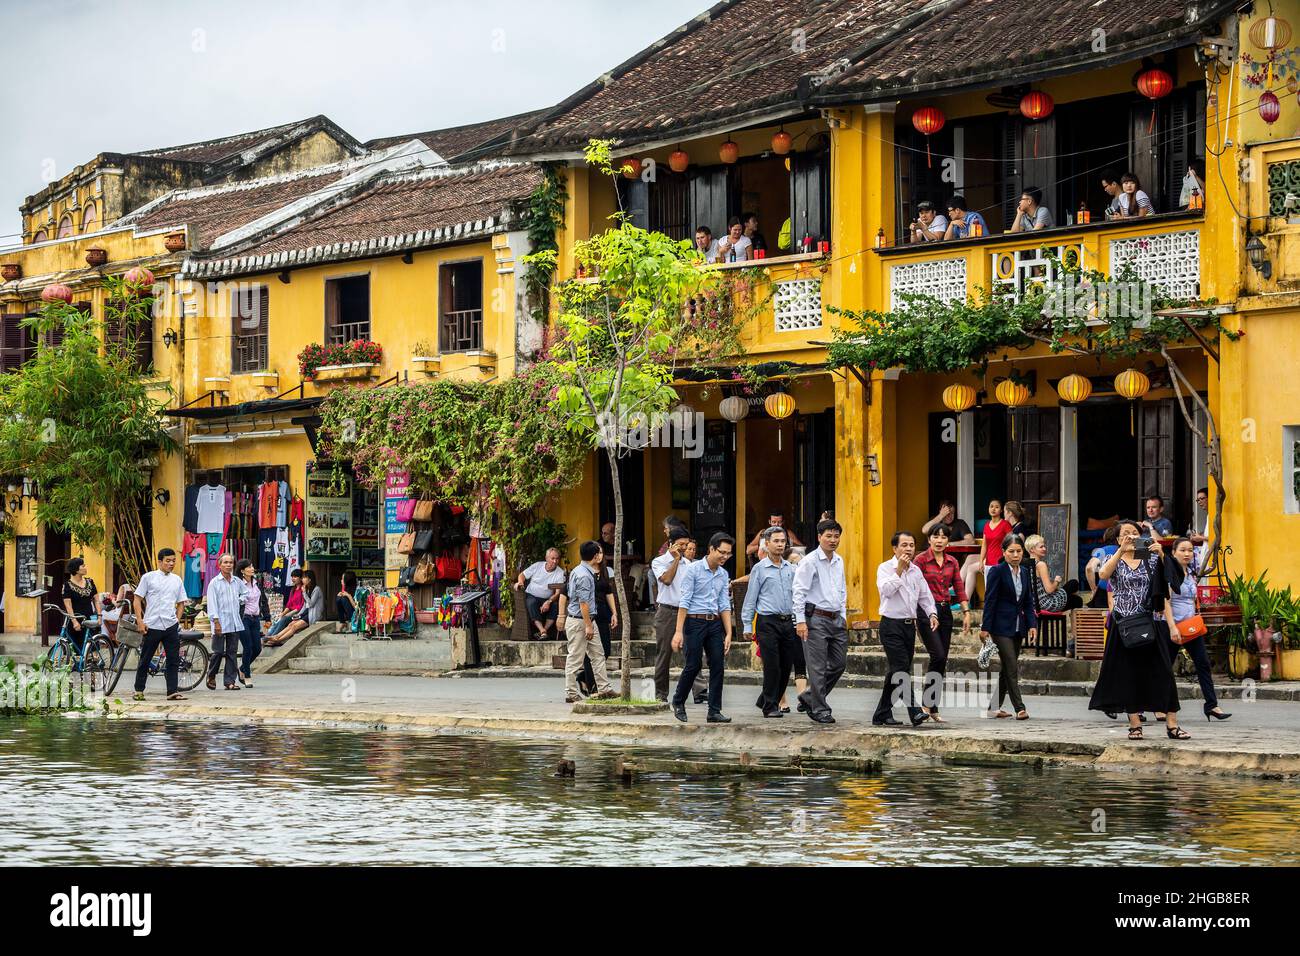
100	791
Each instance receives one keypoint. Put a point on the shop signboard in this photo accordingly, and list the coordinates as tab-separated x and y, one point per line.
329	519
395	491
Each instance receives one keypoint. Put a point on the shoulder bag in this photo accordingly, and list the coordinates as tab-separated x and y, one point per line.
406	544
406	509
1188	630
1139	629
423	510
425	572
423	540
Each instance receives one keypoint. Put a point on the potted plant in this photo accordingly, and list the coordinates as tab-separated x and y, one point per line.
1241	642
1286	647
359	356
96	257
11	271
174	242
426	357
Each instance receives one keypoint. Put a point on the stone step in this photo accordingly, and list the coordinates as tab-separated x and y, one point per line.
426	653
345	665
868	661
540	653
21	648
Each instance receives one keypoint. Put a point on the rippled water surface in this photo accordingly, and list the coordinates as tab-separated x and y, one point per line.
100	791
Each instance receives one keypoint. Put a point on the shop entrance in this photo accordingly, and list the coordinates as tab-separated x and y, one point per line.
57	550
1108	472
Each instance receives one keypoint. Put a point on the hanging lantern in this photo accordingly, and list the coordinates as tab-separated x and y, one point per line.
779	405
138	279
1074	388
1036	106
958	398
733	409
1131	384
1270	108
1012	394
729	151
678	160
58	292
927	121
1272	34
1154	83
630	168
781	142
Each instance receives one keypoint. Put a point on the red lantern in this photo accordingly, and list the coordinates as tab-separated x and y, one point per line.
1269	107
928	120
678	160
729	151
1036	106
631	168
1154	83
138	279
781	142
56	293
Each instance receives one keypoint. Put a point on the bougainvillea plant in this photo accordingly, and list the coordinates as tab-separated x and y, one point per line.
356	352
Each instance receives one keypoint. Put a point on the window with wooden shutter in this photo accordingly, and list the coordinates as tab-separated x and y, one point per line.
810	198
249	312
15	341
347	309
136	336
460	306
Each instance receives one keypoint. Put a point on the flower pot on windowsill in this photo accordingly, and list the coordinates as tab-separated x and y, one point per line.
334	373
427	363
481	359
11	271
96	257
174	242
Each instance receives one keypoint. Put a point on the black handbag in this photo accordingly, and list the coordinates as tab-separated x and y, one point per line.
423	541
1137	630
404	576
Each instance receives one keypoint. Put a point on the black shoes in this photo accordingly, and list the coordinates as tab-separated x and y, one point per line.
679	711
701	698
773	713
919	719
887	722
1219	716
803	705
717	717
823	719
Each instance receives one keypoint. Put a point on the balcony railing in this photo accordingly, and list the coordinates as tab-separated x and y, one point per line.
794	286
1163	250
462	331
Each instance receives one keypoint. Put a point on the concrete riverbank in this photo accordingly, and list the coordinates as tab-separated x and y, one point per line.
1262	739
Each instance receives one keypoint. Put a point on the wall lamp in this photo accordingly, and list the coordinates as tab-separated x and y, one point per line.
1257	252
170	338
162	496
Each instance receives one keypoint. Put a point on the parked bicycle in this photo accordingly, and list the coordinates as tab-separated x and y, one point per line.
95	654
190	670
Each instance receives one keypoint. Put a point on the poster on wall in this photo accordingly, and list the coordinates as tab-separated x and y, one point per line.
395	491
329	519
367	552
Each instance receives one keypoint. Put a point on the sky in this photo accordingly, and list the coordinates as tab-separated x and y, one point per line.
89	76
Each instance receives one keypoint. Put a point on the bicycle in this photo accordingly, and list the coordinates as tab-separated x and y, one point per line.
193	661
96	654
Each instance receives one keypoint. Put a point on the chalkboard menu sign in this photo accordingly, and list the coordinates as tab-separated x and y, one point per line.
26	571
1054	526
711	476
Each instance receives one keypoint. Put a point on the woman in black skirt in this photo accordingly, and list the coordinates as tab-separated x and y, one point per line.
1137	679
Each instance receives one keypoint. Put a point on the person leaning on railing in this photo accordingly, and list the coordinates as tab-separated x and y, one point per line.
929	225
1031	214
963	222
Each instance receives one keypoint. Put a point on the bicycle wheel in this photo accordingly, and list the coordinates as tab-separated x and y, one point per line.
61	653
117	666
193	664
98	661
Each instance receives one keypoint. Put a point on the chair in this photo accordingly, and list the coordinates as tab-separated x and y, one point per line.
1052	629
1089	626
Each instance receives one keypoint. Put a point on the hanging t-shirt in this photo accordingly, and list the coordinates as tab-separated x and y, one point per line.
210	508
282	506
266	549
190	520
268	504
194	574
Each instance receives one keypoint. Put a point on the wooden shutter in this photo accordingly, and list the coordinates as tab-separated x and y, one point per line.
1156	453
667	198
1039	170
709	201
331	308
1034	472
15	345
636	202
810	194
1185	141
248	330
1012	182
1144	146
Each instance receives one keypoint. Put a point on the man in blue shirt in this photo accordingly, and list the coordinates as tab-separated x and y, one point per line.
962	223
704	625
579	610
769	611
1157	524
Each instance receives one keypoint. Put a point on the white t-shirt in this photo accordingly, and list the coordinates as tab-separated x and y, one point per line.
539	579
212	509
161	593
743	249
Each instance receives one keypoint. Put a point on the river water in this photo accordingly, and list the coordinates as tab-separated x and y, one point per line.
93	791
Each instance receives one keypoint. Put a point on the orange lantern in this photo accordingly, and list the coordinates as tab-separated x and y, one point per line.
958	398
1074	388
1012	394
630	168
927	121
1036	106
781	142
779	405
1132	384
58	292
1154	83
729	151
678	160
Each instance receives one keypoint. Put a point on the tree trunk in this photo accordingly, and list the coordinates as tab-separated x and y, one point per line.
620	601
1214	454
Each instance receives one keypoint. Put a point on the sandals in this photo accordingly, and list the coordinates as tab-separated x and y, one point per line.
177	696
1001	714
1177	733
232	687
138	695
1135	733
1022	715
212	682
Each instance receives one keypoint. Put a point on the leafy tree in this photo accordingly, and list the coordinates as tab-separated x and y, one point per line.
86	427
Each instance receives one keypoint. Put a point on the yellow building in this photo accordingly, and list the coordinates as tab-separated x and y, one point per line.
388	243
842	119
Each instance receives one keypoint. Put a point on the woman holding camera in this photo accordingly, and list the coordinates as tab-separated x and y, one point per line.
1136	671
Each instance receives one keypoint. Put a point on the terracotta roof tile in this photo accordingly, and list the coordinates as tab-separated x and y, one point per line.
455	140
215	150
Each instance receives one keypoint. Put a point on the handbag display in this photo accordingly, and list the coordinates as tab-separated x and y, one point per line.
406	510
423	510
404	576
425	572
406	544
424	541
449	567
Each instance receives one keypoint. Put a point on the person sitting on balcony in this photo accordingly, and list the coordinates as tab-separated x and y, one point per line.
1031	214
749	222
734	246
929	225
1111	187
961	221
1132	201
1193	191
705	244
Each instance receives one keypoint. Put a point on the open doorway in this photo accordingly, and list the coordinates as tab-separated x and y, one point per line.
1108	467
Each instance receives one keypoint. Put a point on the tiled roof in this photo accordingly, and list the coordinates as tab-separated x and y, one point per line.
748	61
455	140
399	211
215	150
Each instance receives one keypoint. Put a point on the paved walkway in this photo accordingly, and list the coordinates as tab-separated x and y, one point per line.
1262	738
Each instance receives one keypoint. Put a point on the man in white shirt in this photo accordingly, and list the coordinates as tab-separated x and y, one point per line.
159	599
668	569
706	245
542	582
902	589
225	600
820	604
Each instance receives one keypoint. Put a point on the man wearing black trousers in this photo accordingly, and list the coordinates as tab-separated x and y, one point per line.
902	589
770	597
704	625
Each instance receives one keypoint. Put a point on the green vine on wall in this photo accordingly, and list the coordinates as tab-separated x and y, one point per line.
543	218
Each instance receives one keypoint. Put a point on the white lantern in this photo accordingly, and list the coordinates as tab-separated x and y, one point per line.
733	409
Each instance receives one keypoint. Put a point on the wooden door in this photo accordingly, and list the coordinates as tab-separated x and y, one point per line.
814	477
1034	462
1160	461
